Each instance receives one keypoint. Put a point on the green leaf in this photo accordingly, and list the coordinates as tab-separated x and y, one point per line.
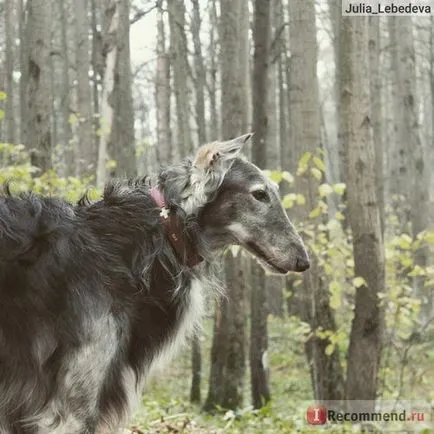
325	190
417	271
276	176
315	213
73	119
300	199
304	160
287	177
319	164
111	164
288	200
3	95
429	237
339	188
405	242
317	174
2	114
330	348
359	282
339	216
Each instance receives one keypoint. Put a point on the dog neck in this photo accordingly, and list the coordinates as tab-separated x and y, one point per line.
174	228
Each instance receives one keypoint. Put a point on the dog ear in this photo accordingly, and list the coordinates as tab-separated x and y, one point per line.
208	155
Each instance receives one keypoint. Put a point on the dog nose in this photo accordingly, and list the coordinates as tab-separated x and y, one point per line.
302	263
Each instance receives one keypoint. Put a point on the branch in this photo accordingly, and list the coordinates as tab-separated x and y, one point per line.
142	13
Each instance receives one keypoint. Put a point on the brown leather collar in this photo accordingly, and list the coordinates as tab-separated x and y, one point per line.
174	229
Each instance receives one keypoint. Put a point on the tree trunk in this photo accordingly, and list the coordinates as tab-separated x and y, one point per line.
196	364
179	60
162	98
259	309
122	144
418	169
199	87
399	167
212	87
229	362
364	215
314	306
274	284
335	149
9	63
68	160
112	18
217	358
235	362
23	31
85	157
38	70
97	70
375	90
199	74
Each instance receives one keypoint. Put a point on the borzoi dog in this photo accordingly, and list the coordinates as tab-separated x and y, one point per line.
93	296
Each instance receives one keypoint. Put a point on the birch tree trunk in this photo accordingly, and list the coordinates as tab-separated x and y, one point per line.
39	95
212	86
67	157
23	30
107	116
199	74
375	92
399	167
97	69
162	98
86	155
418	170
364	214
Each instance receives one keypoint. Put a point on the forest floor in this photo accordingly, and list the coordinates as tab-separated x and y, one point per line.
166	407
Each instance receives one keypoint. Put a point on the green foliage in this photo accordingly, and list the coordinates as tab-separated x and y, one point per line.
407	356
22	176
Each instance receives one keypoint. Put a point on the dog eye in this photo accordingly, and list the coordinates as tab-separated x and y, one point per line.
261	195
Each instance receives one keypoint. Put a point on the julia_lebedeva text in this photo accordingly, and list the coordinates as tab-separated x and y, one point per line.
380	8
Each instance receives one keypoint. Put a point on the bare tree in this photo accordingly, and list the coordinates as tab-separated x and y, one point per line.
364	214
39	89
